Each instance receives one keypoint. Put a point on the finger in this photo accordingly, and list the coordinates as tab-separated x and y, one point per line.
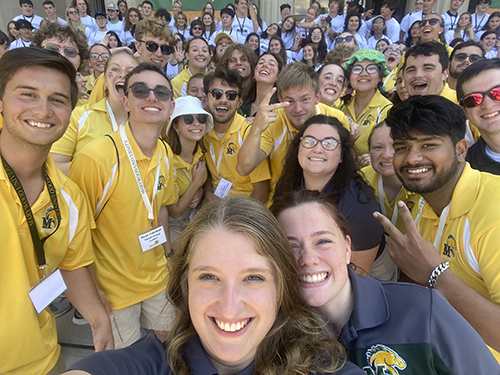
411	227
268	97
389	228
275	106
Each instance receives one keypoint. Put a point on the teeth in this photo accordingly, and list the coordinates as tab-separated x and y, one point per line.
308	279
330	91
39	124
316	159
222	109
264	73
233	327
491	115
387	164
152	109
417	171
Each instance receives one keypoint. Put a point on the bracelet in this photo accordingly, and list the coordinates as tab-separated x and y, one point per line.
436	273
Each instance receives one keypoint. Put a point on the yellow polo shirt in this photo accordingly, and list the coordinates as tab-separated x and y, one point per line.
390	81
29	340
227	148
184	171
374	112
411	199
87	123
124	273
277	138
179	83
472	233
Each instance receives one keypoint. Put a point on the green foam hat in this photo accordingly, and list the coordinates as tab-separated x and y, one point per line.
368	54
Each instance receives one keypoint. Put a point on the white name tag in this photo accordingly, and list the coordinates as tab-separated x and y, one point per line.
152	238
223	188
47	291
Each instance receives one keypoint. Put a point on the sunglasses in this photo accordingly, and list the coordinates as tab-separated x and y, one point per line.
329	144
432	22
370	69
230	94
141	91
462	56
476	98
347	39
95	56
189	119
73	12
153	47
68	52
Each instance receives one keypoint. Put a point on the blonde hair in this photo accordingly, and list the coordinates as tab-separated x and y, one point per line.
156	28
296	343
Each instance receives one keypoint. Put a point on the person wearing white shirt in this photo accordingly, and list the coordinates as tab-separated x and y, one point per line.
101	20
450	18
226	19
114	23
25	29
84	10
405	22
480	18
285	11
28	15
51	11
240	22
392	27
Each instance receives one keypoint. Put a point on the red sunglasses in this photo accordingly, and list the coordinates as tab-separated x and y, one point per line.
476	98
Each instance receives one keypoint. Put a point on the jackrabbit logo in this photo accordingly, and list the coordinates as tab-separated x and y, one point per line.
231	149
383	360
49	221
161	182
450	247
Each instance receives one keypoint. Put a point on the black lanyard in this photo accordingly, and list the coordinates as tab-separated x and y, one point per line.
37	242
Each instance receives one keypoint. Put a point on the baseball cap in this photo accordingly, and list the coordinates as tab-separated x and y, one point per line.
224	35
23	23
112	6
100	13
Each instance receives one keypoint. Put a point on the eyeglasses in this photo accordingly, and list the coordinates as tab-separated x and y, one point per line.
476	98
462	56
141	91
72	12
348	39
316	33
230	94
153	47
328	144
68	52
432	22
394	51
189	119
95	56
370	69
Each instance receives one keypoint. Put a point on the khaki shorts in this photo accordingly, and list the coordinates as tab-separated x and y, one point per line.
155	313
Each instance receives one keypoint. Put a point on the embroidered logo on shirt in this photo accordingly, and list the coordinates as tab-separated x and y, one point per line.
368	120
450	247
231	149
161	182
383	360
49	221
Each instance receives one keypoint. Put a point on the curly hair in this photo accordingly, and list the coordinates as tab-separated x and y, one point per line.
244	49
52	29
296	343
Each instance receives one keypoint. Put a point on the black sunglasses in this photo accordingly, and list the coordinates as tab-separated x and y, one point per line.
348	39
69	52
462	56
476	98
189	119
153	47
230	94
432	22
141	91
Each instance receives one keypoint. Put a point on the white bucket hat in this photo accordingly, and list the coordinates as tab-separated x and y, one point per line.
190	105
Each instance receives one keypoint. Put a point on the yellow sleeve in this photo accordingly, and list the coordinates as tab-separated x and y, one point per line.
261	173
99	90
66	145
177	86
171	194
489	261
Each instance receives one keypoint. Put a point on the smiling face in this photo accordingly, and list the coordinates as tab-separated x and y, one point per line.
457	67
393	56
149	110
415	31
114	78
99	63
288	24
253	42
493	22
310	15
308	53
364	82
428	32
239	62
207	20
382	151
198	55
353	24
423	75
101	22
232	297
222	110
483	6
401	87
176	7
36	113
193	132
272	30
322	253
427	163
195	88
181	21
302	104
485	116
381	45
266	70
378	26
428	5
13	30
285	13
275	46
27	9
455	4
155	58
344	42
331	82
464	21
241	8
316	34
317	162
488	42
73	14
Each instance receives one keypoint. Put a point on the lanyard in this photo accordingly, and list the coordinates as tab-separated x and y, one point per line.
478	27
137	174
111	116
92	82
394	216
442	221
453	23
35	237
217	162
239	23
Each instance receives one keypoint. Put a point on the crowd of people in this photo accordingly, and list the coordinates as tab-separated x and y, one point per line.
224	196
